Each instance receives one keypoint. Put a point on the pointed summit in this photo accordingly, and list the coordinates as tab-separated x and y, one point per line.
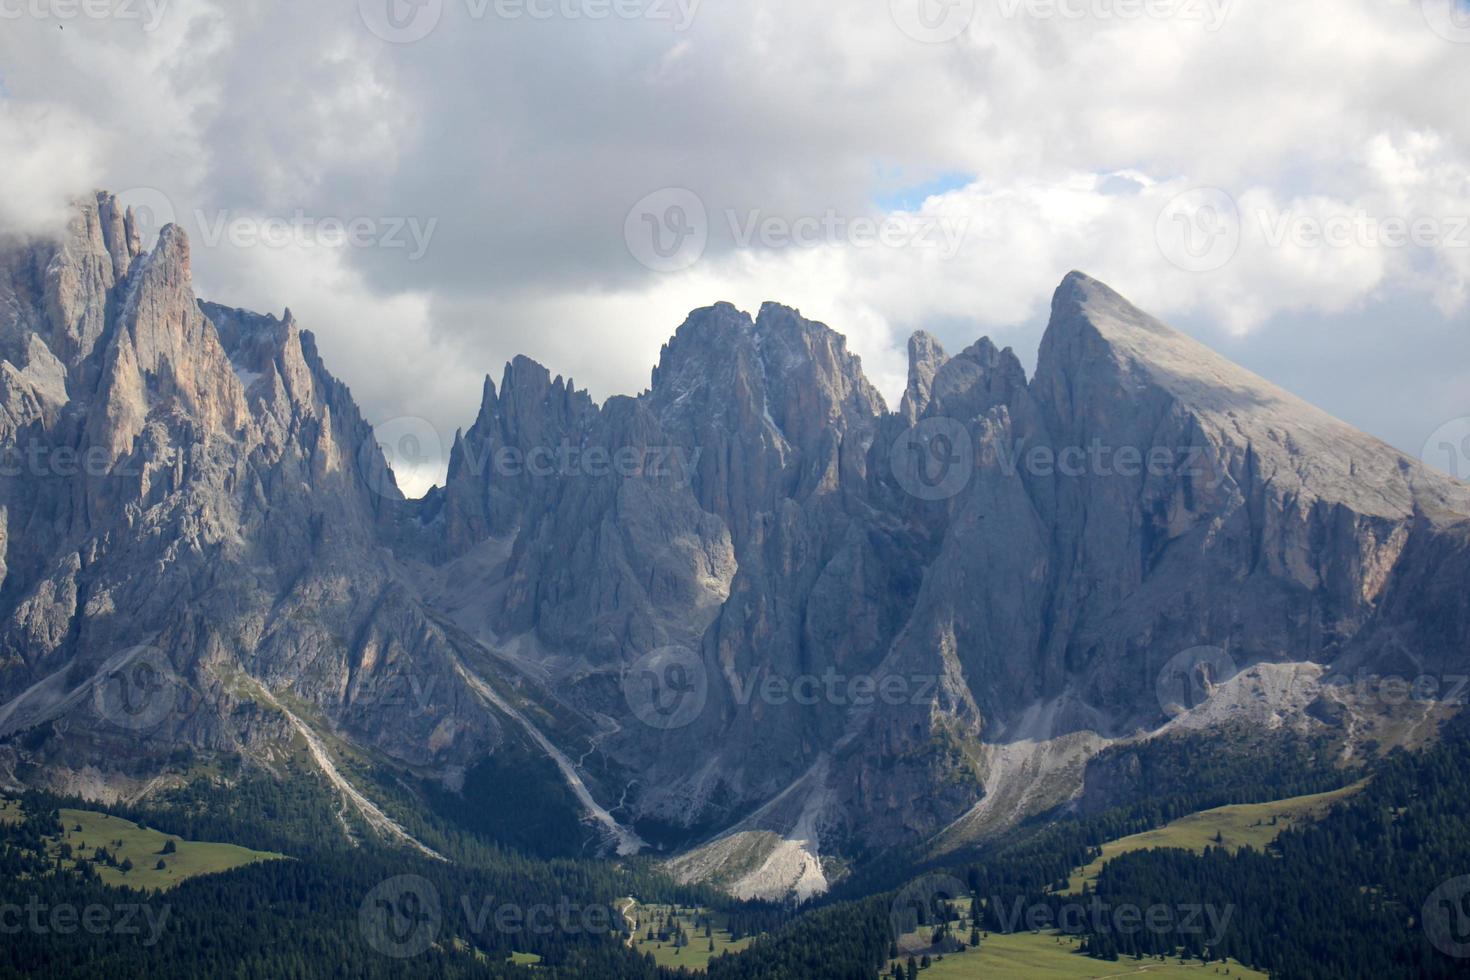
1083	306
1097	337
1107	370
926	357
1099	341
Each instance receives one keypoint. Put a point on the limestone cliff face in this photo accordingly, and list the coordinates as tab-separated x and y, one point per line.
1015	559
1141	496
190	480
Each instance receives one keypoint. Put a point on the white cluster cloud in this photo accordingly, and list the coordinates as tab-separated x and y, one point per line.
1073	125
47	156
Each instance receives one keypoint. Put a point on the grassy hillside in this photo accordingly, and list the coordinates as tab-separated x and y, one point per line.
126	841
1048	956
697	954
1252	825
1045	955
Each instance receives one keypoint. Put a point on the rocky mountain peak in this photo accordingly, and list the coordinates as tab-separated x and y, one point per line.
811	376
528	394
489	402
718	333
749	508
926	357
1095	331
119	234
977	379
1108	370
164	353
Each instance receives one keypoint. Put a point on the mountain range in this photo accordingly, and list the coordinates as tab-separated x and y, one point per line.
752	620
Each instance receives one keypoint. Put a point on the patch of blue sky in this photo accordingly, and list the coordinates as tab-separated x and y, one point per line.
912	197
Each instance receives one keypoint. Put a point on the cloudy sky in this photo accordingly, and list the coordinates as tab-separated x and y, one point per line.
434	186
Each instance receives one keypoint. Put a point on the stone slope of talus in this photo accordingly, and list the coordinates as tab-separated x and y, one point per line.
672	595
